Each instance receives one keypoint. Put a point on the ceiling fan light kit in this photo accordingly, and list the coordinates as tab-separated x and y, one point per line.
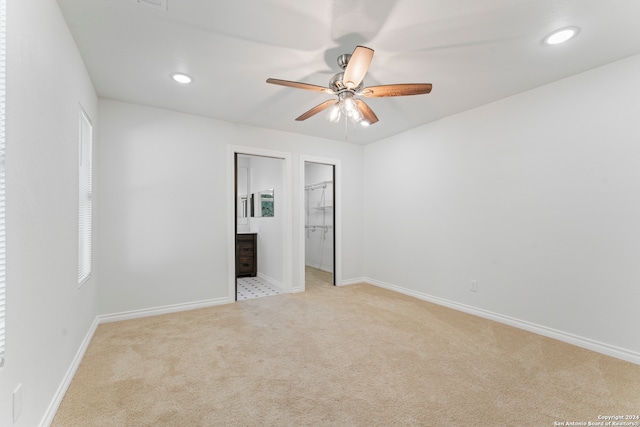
348	84
346	106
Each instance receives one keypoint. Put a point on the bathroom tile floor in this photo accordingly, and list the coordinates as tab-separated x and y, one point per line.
255	287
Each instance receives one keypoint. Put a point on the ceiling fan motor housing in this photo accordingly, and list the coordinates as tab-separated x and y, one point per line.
336	84
343	60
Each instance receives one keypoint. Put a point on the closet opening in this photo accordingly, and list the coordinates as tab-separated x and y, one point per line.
319	228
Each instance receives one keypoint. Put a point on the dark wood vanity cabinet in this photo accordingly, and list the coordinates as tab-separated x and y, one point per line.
246	255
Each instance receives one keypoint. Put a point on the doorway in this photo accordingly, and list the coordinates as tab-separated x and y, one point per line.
319	228
259	226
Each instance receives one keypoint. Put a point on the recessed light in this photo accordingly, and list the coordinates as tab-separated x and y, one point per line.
561	36
181	78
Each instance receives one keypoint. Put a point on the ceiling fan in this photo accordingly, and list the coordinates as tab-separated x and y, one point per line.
348	84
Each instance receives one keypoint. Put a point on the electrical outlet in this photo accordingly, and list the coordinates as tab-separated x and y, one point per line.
474	286
17	403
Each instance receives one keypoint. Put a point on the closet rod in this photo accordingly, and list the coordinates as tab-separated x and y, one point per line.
317	185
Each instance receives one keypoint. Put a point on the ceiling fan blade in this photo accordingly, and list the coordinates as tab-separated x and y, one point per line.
367	113
403	89
315	110
299	85
357	66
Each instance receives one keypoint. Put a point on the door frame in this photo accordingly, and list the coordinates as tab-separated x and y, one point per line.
286	200
337	225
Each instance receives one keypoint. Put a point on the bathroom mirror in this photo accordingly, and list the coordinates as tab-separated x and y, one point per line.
243	207
243	195
262	204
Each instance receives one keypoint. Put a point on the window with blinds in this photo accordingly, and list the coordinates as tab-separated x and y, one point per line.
3	56
85	195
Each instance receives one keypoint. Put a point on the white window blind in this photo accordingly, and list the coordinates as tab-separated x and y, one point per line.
85	196
3	57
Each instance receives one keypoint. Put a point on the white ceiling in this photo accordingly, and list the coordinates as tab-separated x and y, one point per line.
472	51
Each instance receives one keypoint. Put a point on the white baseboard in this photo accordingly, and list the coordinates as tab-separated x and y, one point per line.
354	281
47	419
271	281
134	314
589	344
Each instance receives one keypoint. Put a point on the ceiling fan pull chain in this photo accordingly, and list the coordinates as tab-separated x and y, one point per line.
346	128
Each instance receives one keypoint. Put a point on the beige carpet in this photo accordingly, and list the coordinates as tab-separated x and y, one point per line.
338	356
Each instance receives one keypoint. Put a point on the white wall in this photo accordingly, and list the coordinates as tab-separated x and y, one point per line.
537	197
163	208
48	317
162	188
